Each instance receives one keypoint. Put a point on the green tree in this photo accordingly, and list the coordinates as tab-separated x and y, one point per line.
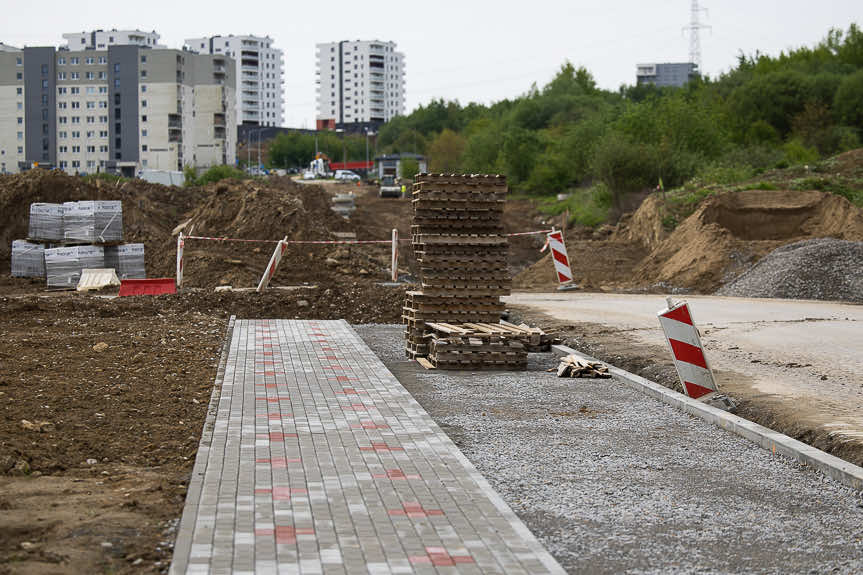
848	102
445	152
409	168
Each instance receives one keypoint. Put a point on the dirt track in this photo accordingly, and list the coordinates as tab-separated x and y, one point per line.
795	365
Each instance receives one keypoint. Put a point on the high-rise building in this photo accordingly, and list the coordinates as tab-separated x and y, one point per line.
118	109
260	70
103	39
360	82
662	75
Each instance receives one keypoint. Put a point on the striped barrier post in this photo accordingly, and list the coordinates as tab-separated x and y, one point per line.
395	256
561	259
181	243
274	263
687	351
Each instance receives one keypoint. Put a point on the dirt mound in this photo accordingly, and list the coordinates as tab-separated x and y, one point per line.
823	269
730	231
644	226
150	211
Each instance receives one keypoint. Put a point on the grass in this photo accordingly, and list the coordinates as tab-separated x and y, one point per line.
588	207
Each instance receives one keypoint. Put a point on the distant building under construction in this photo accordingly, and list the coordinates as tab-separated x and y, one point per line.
669	74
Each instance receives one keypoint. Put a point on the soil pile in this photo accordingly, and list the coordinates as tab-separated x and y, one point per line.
150	211
823	269
730	231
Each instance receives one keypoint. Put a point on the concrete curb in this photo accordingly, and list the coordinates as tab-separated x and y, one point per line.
831	466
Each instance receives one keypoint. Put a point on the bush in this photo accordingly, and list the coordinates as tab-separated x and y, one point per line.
797	153
214	174
588	207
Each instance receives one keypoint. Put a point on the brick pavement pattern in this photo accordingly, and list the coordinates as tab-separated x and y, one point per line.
315	459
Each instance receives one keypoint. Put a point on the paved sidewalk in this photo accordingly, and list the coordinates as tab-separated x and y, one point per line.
314	459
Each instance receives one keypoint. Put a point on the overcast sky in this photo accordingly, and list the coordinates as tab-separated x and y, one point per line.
480	51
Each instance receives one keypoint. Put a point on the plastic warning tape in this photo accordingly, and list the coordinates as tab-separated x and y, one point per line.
688	352
226	239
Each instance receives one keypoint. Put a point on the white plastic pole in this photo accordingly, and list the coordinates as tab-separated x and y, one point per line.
395	256
274	263
181	243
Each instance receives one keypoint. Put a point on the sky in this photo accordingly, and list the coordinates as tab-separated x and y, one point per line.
470	51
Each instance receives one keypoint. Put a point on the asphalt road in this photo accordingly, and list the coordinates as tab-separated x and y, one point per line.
613	481
803	358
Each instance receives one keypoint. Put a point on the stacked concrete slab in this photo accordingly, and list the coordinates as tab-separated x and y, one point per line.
28	259
458	240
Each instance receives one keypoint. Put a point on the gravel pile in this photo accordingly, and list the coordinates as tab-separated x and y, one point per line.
612	481
822	269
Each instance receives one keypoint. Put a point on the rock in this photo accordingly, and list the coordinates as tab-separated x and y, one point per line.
331	262
91	461
302	303
29	425
100	347
223	288
21	468
363	272
27	545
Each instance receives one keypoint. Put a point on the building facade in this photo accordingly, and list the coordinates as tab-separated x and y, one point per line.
359	82
103	39
260	75
663	75
119	109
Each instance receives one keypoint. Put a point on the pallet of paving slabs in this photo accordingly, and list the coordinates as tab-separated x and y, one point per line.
127	260
46	222
63	265
28	259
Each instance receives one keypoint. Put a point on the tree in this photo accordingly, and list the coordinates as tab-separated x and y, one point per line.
848	103
409	168
445	152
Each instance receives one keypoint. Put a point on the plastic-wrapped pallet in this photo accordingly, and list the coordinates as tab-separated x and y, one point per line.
46	222
127	260
109	221
79	221
28	259
63	265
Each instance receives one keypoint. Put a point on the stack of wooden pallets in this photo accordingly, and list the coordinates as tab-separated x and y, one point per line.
458	240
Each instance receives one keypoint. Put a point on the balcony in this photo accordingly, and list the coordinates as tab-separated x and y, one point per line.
249	63
175	136
175	122
219	132
219	120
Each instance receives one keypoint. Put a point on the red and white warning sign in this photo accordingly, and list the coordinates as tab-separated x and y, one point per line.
558	255
687	351
274	263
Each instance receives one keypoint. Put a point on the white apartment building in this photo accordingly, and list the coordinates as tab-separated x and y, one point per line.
118	109
260	71
359	82
102	39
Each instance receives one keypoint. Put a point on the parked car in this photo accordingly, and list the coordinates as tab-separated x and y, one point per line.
346	175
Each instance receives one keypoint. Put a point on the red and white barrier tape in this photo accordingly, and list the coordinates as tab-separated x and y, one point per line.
225	239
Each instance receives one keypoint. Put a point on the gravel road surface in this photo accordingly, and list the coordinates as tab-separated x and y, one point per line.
612	481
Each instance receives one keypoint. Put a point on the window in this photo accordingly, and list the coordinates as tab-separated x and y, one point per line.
76	105
91	149
143	73
63	135
103	119
144	59
61	61
103	89
144	148
44	83
91	75
144	118
91	105
91	133
76	134
143	88
116	68
91	119
90	61
74	75
91	89
44	69
103	104
76	149
74	90
73	61
62	119
103	60
103	133
20	120
20	91
20	149
20	135
76	119
76	163
103	148
20	105
144	133
143	103
19	76
62	149
91	163
103	75
61	75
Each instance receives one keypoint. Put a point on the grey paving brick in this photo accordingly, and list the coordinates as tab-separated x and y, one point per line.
314	459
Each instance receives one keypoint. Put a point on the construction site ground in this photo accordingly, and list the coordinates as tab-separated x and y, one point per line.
97	441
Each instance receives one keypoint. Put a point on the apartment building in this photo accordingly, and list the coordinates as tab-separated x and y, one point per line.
260	71
102	39
663	75
359	82
118	109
